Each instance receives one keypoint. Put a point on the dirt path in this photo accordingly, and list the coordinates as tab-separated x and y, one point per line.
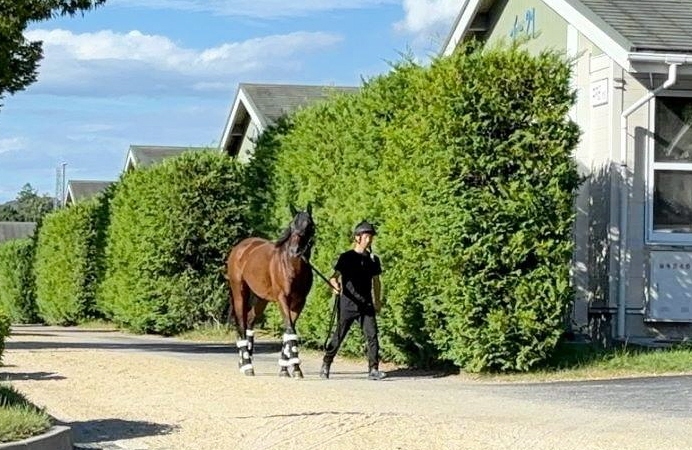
117	391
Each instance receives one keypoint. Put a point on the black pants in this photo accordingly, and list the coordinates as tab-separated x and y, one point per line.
368	323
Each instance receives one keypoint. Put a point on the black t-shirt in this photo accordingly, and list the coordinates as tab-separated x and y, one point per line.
357	271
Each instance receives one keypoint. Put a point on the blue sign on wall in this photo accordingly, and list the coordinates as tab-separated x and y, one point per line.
526	26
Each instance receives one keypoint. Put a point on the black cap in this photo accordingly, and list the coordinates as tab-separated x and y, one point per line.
364	227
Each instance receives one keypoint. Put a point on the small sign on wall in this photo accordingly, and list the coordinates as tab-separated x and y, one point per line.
599	92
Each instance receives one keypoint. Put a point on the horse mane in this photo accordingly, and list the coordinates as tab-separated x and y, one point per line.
283	238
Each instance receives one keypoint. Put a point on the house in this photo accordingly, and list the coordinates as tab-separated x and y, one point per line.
632	72
257	106
16	230
140	156
80	190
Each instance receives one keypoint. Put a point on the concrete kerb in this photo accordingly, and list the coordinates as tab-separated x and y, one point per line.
56	438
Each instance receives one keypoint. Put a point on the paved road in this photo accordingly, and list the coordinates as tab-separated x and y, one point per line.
665	397
631	413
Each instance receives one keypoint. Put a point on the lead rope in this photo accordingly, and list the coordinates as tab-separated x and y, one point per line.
332	316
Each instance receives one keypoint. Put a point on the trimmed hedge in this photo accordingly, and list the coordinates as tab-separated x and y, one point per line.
466	167
5	330
172	226
69	261
17	280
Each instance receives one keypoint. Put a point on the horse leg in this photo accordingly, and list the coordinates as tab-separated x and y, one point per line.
241	295
255	312
289	351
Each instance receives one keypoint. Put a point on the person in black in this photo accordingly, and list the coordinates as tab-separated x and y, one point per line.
356	280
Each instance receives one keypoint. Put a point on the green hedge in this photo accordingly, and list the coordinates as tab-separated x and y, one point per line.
5	324
171	228
69	261
17	280
466	167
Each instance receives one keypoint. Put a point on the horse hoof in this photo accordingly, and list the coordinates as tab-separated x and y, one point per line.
249	373
284	374
297	373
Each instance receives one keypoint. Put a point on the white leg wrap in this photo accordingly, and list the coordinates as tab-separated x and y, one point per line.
246	355
241	344
290	337
284	362
245	367
249	333
293	361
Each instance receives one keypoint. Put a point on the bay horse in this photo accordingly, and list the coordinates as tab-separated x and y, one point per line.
272	271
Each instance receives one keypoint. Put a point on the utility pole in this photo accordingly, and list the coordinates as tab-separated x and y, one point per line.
64	184
60	180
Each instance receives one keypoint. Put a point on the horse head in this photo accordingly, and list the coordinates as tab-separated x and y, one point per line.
301	232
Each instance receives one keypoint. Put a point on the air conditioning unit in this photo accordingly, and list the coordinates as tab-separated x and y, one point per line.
670	287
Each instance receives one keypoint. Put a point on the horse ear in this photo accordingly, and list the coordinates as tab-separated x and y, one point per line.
293	209
309	208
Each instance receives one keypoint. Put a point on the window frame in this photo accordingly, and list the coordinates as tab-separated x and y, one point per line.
653	237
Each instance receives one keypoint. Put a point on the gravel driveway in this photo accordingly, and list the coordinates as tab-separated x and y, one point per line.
131	392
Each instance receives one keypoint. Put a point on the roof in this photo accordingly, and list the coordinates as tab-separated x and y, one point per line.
272	101
623	29
16	230
264	104
147	155
79	190
650	25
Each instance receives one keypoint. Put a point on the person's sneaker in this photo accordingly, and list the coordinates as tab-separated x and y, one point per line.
324	371
375	374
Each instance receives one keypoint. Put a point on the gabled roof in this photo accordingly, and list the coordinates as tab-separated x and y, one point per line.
629	31
16	230
649	25
266	103
80	190
140	156
271	101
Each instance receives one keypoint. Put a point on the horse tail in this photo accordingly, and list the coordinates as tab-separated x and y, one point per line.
230	319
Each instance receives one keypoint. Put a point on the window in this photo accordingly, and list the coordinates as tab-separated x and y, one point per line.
671	171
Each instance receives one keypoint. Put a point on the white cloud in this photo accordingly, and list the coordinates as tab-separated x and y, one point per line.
12	144
137	63
254	8
425	17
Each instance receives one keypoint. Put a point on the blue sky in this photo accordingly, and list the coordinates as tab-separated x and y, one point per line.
165	72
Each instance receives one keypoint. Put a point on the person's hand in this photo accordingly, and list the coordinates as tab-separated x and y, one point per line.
336	289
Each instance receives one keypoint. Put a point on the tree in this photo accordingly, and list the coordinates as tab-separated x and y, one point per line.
19	57
27	207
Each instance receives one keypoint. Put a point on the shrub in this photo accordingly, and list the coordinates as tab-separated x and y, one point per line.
171	228
69	261
17	280
5	330
466	167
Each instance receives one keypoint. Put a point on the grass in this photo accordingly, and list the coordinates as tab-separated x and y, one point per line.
583	361
219	333
97	324
209	333
19	419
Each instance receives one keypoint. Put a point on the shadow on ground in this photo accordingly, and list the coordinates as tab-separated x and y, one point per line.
116	429
421	373
38	376
143	345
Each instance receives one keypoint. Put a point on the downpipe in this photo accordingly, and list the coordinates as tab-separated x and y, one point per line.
624	197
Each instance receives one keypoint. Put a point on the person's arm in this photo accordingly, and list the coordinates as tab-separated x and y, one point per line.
377	293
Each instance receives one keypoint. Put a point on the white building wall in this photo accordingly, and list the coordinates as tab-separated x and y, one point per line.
248	146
